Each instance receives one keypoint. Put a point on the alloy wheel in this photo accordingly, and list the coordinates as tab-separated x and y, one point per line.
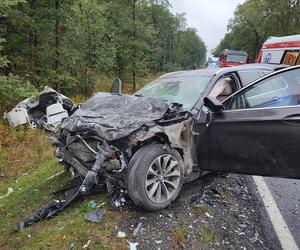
163	178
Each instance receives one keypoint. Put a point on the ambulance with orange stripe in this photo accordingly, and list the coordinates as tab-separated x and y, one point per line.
280	50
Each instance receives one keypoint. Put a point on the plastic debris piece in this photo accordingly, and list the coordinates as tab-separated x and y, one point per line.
255	238
53	176
121	234
92	204
95	216
197	198
72	246
9	191
133	245
138	227
208	215
87	244
158	241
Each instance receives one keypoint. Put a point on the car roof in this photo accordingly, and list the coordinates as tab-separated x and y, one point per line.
215	71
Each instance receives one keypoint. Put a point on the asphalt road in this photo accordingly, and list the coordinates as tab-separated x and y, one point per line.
286	193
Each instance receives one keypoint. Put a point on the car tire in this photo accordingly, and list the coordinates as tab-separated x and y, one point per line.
154	176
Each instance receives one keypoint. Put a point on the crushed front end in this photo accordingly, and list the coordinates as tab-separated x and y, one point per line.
98	141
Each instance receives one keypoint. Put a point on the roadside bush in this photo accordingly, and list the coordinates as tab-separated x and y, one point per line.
12	90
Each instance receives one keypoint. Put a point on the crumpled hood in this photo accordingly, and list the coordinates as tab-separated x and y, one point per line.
114	116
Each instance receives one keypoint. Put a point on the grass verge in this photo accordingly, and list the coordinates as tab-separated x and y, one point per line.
26	163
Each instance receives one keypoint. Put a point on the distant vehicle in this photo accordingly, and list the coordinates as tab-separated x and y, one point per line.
230	58
213	62
280	50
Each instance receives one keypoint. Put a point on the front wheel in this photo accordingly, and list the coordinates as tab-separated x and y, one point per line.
155	176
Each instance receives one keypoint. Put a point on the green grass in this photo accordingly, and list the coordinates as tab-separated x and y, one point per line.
201	209
179	235
206	236
67	230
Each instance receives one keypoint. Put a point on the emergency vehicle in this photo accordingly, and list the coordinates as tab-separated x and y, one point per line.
233	58
280	50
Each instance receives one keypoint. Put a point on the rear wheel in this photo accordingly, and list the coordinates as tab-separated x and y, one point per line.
155	176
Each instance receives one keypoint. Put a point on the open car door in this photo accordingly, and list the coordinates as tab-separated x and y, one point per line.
257	133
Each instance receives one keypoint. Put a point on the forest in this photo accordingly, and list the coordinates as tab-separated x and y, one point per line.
255	20
69	44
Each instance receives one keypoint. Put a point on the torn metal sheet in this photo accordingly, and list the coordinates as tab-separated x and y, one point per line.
114	116
47	110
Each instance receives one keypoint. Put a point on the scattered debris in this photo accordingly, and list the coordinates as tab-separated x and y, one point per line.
87	244
225	230
197	198
171	216
86	187
118	200
9	191
133	245
53	176
138	227
72	246
47	110
94	216
121	234
208	215
255	238
92	204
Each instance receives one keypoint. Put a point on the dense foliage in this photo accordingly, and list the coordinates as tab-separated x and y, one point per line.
68	44
255	20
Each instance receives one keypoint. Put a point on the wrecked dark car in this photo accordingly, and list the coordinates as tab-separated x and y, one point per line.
149	142
45	110
177	128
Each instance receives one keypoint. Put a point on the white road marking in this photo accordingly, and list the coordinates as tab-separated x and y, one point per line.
282	231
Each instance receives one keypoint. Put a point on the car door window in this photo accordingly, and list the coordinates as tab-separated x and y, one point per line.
250	76
282	89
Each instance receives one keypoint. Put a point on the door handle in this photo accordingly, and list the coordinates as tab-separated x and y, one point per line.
293	119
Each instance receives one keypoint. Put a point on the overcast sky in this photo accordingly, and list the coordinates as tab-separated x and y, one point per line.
209	17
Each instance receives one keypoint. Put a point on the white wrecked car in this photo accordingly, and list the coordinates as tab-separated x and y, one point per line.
47	110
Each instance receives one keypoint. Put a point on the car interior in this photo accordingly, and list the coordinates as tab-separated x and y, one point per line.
224	87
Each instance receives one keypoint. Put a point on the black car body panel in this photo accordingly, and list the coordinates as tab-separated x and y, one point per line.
257	141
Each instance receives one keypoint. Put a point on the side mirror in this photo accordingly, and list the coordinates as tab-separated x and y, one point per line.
116	87
213	104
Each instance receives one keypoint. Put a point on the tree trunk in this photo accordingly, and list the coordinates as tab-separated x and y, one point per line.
89	54
134	46
31	38
57	42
